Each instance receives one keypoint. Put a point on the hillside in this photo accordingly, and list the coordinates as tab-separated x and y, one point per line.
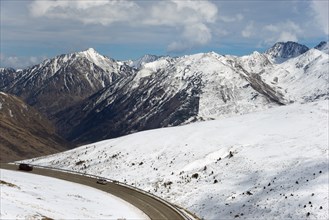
24	132
272	164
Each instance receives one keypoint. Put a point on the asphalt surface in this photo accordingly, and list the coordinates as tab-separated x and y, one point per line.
152	207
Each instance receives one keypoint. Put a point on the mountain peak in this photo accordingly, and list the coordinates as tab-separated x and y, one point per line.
100	60
283	51
147	58
323	46
90	52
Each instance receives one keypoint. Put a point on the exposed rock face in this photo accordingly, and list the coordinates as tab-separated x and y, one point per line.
282	51
8	76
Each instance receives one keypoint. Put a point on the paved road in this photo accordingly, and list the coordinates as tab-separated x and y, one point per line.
152	207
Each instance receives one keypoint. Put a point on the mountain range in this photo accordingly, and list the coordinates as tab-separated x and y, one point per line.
90	97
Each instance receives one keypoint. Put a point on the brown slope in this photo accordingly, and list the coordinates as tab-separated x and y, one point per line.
24	132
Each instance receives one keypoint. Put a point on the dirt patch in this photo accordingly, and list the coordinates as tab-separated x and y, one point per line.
9	184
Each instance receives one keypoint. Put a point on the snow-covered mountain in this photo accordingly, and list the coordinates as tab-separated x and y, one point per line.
169	92
283	51
304	78
272	164
323	46
137	64
175	91
58	83
91	97
255	62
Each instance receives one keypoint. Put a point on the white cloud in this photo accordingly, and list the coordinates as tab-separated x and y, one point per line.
19	61
248	30
197	33
174	13
285	31
178	47
230	19
287	36
321	14
194	35
190	18
104	12
203	10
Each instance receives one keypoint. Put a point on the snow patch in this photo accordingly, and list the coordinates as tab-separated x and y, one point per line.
10	113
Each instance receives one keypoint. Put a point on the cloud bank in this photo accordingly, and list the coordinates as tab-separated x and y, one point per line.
189	18
285	31
18	62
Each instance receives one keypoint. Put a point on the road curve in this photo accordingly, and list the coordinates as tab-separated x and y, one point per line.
152	207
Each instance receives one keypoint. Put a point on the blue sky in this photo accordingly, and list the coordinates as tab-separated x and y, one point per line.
34	30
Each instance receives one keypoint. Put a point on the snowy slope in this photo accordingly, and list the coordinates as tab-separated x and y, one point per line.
220	88
303	78
223	88
267	165
255	62
30	196
137	64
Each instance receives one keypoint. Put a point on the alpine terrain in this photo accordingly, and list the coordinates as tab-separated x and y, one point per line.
226	137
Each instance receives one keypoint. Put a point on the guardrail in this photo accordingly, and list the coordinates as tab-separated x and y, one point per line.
174	207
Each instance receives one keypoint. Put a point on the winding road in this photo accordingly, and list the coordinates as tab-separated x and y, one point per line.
152	207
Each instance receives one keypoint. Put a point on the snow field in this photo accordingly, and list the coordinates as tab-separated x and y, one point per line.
271	164
30	196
